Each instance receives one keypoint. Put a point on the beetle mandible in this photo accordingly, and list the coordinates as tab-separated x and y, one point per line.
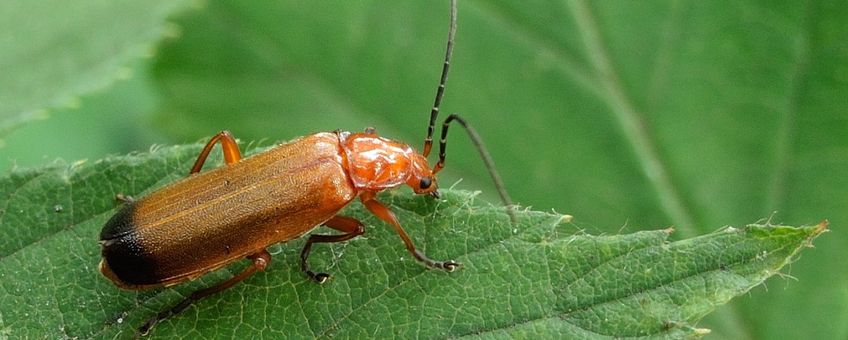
211	219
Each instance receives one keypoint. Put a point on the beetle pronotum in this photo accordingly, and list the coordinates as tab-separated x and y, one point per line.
211	219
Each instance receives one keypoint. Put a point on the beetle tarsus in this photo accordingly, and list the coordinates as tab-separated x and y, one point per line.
317	277
124	198
447	266
349	226
304	259
450	266
320	277
145	328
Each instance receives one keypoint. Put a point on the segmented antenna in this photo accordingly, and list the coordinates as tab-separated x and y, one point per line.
440	91
484	154
475	138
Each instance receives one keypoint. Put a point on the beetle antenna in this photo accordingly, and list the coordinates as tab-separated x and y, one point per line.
440	91
484	154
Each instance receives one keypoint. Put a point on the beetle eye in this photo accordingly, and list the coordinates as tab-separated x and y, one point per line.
426	182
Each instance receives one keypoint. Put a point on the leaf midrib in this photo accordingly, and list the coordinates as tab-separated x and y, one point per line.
564	315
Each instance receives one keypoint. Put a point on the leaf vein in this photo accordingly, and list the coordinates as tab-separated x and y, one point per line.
665	283
412	278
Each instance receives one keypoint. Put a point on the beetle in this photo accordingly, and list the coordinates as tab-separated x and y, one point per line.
210	219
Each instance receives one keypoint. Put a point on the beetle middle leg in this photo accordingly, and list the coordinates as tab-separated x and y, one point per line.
385	214
228	146
349	226
261	260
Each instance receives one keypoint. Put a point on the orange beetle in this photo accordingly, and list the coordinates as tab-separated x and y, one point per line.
211	219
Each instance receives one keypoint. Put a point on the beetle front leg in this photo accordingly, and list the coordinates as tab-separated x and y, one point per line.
228	146
349	226
385	214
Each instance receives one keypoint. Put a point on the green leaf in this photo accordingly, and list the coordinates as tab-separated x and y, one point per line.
55	51
107	122
542	277
643	113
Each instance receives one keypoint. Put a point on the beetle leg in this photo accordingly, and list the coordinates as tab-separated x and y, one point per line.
261	260
228	146
385	214
124	198
349	226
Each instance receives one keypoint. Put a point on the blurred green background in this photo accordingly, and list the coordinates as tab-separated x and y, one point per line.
627	115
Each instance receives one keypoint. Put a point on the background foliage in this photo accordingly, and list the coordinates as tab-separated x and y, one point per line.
627	115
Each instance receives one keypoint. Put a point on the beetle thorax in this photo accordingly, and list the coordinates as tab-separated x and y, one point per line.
377	163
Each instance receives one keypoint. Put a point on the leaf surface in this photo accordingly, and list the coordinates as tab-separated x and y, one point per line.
53	52
541	277
650	113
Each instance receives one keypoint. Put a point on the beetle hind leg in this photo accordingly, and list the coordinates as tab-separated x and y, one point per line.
228	146
349	226
261	260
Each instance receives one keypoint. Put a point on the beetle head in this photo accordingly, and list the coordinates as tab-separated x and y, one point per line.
421	178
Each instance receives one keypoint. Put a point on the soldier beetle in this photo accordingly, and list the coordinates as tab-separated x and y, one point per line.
213	218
